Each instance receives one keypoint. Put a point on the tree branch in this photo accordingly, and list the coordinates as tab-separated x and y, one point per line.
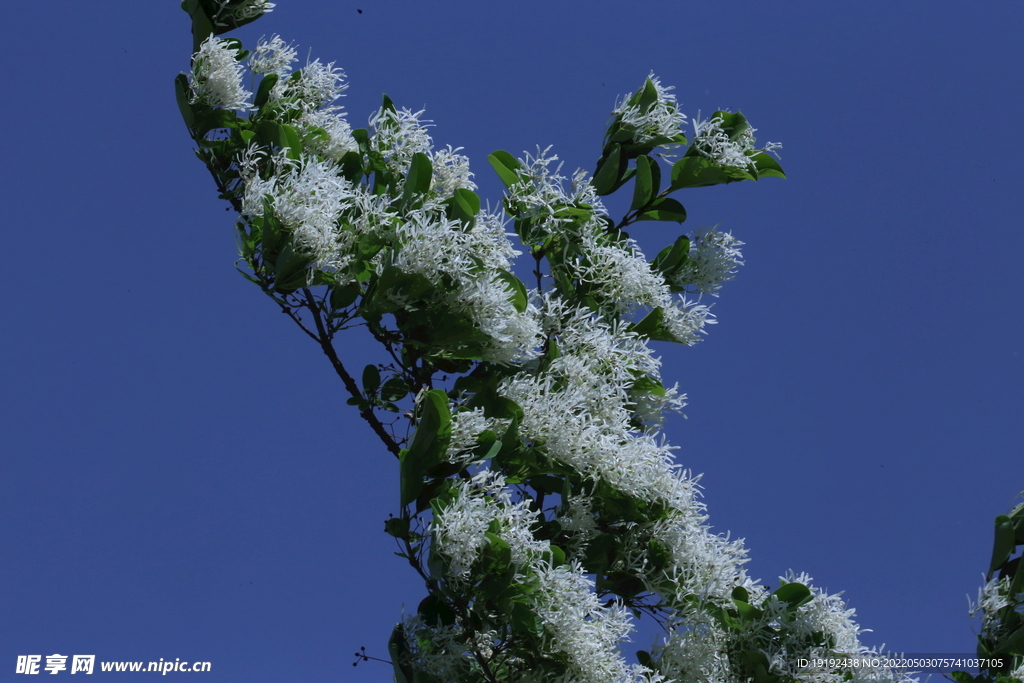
328	348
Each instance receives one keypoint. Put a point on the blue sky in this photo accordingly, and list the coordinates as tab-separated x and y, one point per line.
181	477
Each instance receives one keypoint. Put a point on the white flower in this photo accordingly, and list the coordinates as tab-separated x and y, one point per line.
308	197
696	653
713	259
661	118
467	425
469	260
578	520
993	597
460	531
440	651
586	631
318	85
339	134
578	410
686	320
620	271
272	56
451	172
711	140
216	78
398	135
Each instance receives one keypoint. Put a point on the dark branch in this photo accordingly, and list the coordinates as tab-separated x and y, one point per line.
325	344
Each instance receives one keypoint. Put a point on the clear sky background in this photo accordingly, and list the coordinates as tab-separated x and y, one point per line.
181	477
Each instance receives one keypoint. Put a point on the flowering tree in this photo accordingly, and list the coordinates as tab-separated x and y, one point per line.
538	500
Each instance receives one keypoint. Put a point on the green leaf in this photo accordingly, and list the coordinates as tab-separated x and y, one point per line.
391	285
1004	542
653	327
202	27
394	389
344	296
621	132
608	171
387	104
272	232
1014	643
795	594
207	119
648	96
517	289
263	92
664	209
362	138
734	124
464	205
436	611
506	165
181	91
371	379
644	658
290	139
746	611
352	166
428	444
643	190
523	619
698	171
1016	567
767	166
417	180
672	257
268	133
397	527
290	269
961	677
399	651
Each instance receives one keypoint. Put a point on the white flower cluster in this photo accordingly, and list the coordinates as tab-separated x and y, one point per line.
696	653
324	214
993	597
309	198
273	56
711	140
466	427
460	531
578	409
311	92
616	268
444	652
622	275
698	649
541	192
588	632
662	118
216	78
400	134
576	623
828	615
441	250
318	86
451	172
713	259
